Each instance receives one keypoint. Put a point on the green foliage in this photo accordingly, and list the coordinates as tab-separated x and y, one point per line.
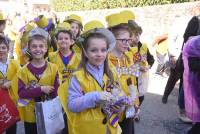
76	5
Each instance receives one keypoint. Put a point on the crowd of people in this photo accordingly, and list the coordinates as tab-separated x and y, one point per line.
99	73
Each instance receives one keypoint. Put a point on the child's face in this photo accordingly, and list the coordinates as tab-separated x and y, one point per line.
135	38
64	41
38	49
123	39
97	51
3	51
75	28
2	27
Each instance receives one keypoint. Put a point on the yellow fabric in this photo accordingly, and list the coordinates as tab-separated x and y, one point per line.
66	71
114	20
76	49
63	26
90	120
73	17
11	75
127	15
42	22
143	52
92	25
125	61
47	78
162	48
12	69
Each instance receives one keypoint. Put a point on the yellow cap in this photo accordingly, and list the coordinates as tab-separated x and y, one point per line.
114	20
92	25
2	16
74	17
42	21
63	26
127	15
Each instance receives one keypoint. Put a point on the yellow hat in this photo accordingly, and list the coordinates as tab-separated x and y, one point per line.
92	25
2	16
127	15
41	21
63	26
114	20
74	17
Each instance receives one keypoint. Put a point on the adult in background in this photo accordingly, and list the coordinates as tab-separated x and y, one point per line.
191	82
176	72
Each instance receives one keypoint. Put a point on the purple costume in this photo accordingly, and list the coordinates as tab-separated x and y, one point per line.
191	78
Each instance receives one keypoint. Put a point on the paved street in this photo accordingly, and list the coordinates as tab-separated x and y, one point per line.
156	118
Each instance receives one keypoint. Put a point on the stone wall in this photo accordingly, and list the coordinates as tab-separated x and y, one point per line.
155	20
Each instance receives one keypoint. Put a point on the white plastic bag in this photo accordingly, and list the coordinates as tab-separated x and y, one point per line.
49	117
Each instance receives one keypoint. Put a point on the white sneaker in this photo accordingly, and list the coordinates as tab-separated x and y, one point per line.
183	117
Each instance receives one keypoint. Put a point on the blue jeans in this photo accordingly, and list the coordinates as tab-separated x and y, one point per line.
181	100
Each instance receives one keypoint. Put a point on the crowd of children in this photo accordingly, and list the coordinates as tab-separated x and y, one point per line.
100	74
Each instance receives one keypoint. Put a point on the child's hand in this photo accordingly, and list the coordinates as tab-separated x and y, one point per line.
47	89
105	96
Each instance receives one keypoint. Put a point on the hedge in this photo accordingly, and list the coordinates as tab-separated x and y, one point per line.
76	5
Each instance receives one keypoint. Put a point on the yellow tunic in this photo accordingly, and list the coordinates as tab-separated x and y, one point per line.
76	48
66	72
142	52
124	62
89	121
47	78
12	69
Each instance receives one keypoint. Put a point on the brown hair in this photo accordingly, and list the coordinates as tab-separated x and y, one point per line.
4	40
119	29
85	46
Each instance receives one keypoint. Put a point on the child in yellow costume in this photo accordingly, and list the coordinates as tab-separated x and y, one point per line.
67	62
122	63
88	88
36	79
8	70
76	26
142	58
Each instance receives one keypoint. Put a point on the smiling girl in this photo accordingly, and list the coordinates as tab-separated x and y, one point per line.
37	79
88	86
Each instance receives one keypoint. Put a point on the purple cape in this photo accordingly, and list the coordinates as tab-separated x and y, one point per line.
191	80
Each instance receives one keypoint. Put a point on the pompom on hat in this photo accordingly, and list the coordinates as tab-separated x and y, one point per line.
43	22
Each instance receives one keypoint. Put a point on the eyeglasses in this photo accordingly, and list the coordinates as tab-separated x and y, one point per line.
125	41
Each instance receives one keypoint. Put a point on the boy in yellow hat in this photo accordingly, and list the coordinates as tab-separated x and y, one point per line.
142	58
